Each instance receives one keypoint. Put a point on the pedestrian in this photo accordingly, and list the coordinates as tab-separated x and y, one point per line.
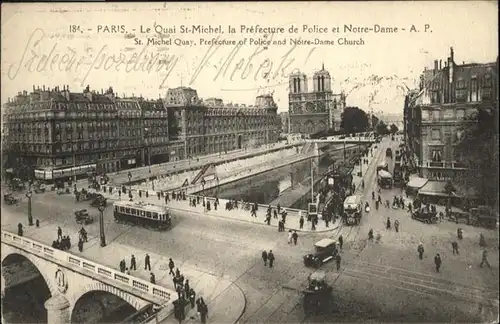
341	241
147	263
290	236
177	272
187	289
152	278
388	223
275	214
337	261
192	297
485	259
132	263
268	219
437	262
420	251
301	222
280	226
454	246
203	312
295	236
37	223
279	208
171	266
264	257
123	265
396	225
270	257
80	245
482	241
59	233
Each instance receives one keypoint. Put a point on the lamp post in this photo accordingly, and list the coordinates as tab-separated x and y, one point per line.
30	217
360	157
101	225
129	181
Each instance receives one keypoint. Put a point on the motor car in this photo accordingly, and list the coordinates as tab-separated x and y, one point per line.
325	250
82	217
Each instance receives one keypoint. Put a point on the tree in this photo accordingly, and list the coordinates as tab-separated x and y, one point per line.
477	148
381	128
354	120
394	129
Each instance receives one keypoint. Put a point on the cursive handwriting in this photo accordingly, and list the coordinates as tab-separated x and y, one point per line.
256	65
67	59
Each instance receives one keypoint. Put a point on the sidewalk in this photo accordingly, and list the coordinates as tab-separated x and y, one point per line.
226	302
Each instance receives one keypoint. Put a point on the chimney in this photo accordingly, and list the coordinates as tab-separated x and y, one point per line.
440	64
33	88
67	87
435	66
43	88
452	54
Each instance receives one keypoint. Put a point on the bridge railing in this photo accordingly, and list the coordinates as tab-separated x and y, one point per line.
40	249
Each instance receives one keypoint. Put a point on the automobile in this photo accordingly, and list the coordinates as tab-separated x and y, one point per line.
39	188
317	294
483	216
9	199
425	216
82	217
342	137
98	200
325	250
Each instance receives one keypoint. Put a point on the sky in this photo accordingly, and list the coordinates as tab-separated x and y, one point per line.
106	44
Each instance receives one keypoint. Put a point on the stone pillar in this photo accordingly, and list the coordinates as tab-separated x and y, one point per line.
57	310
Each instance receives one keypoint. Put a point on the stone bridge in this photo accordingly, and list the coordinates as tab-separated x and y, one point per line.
73	281
345	140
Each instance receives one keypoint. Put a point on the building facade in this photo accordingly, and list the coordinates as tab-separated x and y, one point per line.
285	122
315	111
435	114
209	126
58	134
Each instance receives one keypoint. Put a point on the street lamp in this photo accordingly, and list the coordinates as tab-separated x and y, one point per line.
101	225
30	217
129	181
360	157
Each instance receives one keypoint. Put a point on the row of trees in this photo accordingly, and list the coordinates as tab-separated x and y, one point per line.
356	120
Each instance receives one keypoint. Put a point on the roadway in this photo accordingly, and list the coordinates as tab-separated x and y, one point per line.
377	282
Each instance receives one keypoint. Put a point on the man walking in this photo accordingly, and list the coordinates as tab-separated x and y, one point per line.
337	261
59	233
171	266
420	251
485	259
388	223
341	241
270	257
264	257
301	222
295	236
396	225
437	262
290	234
132	263
147	263
454	246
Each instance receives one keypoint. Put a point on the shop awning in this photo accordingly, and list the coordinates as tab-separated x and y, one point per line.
434	188
416	183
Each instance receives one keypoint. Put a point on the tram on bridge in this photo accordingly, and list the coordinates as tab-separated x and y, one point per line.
141	214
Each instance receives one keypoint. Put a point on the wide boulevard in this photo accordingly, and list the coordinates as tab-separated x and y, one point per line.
377	281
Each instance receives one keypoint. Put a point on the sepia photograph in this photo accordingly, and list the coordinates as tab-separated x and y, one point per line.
250	162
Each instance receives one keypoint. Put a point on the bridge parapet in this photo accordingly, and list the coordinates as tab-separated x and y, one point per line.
159	294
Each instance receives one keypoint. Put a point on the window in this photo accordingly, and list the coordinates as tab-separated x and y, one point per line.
148	214
474	90
436	134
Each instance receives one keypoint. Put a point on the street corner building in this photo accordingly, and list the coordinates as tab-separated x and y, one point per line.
315	111
435	113
55	134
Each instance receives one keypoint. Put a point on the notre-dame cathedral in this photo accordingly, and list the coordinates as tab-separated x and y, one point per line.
318	110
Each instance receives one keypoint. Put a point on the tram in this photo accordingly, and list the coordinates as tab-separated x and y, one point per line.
141	214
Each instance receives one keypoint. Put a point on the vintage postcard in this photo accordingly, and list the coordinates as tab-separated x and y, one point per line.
288	162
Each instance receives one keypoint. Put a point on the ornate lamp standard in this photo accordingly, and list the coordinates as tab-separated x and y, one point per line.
101	225
30	217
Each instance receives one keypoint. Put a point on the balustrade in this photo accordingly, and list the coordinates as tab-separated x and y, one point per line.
43	250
